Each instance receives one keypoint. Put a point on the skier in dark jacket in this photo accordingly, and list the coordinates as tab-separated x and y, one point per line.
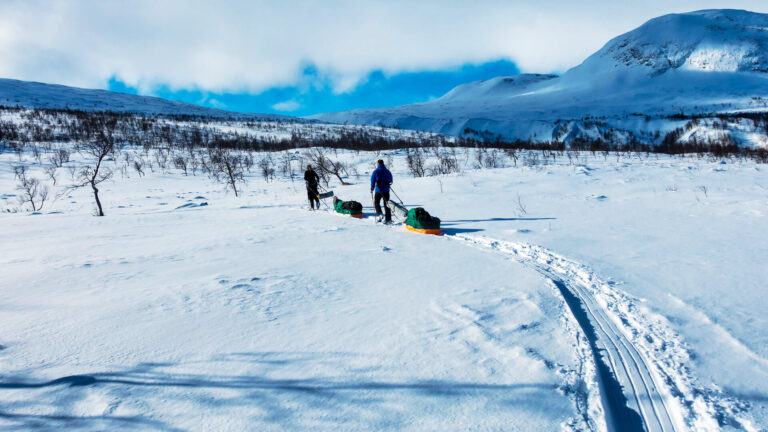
312	179
381	179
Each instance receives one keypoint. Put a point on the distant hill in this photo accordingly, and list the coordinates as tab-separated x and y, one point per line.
29	94
711	61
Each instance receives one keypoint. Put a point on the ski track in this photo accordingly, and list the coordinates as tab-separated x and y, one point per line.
639	362
633	392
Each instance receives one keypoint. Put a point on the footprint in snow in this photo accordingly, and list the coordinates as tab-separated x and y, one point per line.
521	231
246	287
191	205
598	197
528	326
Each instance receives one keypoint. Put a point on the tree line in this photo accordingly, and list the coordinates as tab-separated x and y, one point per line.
225	150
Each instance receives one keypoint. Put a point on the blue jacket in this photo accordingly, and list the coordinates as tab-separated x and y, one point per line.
381	179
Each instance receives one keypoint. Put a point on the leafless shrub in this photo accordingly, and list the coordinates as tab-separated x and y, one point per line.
390	162
522	210
18	148
225	166
247	162
50	171
447	162
531	159
492	159
138	165
99	149
37	154
161	158
488	158
266	166
415	160
326	167
704	190
286	167
180	162
59	158
194	163
512	153
33	192
123	167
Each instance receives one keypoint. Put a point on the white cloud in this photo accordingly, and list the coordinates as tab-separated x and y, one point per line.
287	106
253	45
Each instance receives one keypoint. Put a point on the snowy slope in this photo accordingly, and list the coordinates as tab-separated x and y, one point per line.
701	62
186	308
39	95
272	318
499	87
252	314
709	40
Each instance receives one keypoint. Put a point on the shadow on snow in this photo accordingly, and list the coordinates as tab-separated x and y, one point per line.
460	221
278	400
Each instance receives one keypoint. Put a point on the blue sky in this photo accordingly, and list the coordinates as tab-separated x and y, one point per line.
315	94
302	57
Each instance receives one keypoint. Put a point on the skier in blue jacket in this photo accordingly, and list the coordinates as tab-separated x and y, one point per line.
381	179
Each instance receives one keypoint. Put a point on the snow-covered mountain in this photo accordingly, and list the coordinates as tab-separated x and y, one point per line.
711	61
15	93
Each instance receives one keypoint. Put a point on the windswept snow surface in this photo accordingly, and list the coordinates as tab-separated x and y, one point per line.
252	313
703	62
187	308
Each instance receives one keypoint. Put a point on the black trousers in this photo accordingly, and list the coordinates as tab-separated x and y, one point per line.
377	203
314	202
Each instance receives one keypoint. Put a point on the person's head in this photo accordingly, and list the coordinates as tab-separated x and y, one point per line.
380	162
309	167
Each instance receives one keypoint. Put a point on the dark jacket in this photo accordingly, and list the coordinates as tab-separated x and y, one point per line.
311	178
381	179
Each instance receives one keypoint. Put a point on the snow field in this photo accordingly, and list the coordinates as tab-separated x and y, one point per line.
675	245
251	313
673	251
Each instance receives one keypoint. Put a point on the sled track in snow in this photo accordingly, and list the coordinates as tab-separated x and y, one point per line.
633	394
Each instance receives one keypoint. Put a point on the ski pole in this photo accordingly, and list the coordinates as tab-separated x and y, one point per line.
398	198
401	202
317	195
373	201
